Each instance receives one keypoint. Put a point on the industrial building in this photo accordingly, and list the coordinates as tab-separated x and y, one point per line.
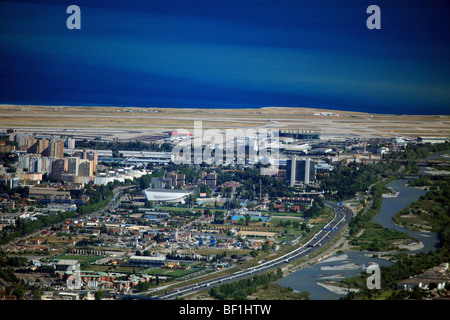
432	140
300	134
120	174
154	216
48	193
155	261
127	157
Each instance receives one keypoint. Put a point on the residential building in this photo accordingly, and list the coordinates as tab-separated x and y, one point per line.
59	167
178	179
86	168
208	178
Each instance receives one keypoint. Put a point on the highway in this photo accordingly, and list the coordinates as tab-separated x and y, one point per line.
326	234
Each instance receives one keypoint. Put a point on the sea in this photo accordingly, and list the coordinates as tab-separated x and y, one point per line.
228	54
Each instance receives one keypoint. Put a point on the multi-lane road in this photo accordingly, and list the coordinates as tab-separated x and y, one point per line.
321	238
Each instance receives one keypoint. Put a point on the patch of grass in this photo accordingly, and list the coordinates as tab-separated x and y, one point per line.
274	291
88	259
377	238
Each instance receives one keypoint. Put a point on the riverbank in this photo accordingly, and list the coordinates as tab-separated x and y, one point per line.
334	287
392	194
343	260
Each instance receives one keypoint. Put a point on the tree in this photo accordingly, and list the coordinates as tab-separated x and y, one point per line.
159	238
100	294
219	217
251	205
143	286
247	219
432	285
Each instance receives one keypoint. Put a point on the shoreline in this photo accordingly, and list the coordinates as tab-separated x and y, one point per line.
335	288
205	108
133	123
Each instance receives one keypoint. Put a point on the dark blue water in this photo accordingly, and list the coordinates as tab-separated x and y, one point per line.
228	54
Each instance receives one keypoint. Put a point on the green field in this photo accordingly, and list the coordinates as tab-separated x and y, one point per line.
81	258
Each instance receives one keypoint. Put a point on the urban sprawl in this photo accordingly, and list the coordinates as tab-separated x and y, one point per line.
87	218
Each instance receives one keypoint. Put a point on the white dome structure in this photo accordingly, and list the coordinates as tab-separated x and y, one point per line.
169	195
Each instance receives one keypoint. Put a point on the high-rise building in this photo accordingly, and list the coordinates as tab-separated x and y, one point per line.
30	162
23	161
47	164
55	149
21	139
86	168
73	165
47	148
300	171
37	145
88	155
35	165
162	183
69	143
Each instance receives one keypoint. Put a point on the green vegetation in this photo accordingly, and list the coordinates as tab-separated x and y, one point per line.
239	290
84	260
274	291
431	211
418	151
21	191
23	227
420	182
99	197
405	266
251	180
363	219
8	277
377	238
346	181
8	261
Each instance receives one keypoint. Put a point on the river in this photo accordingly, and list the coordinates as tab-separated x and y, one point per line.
351	263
